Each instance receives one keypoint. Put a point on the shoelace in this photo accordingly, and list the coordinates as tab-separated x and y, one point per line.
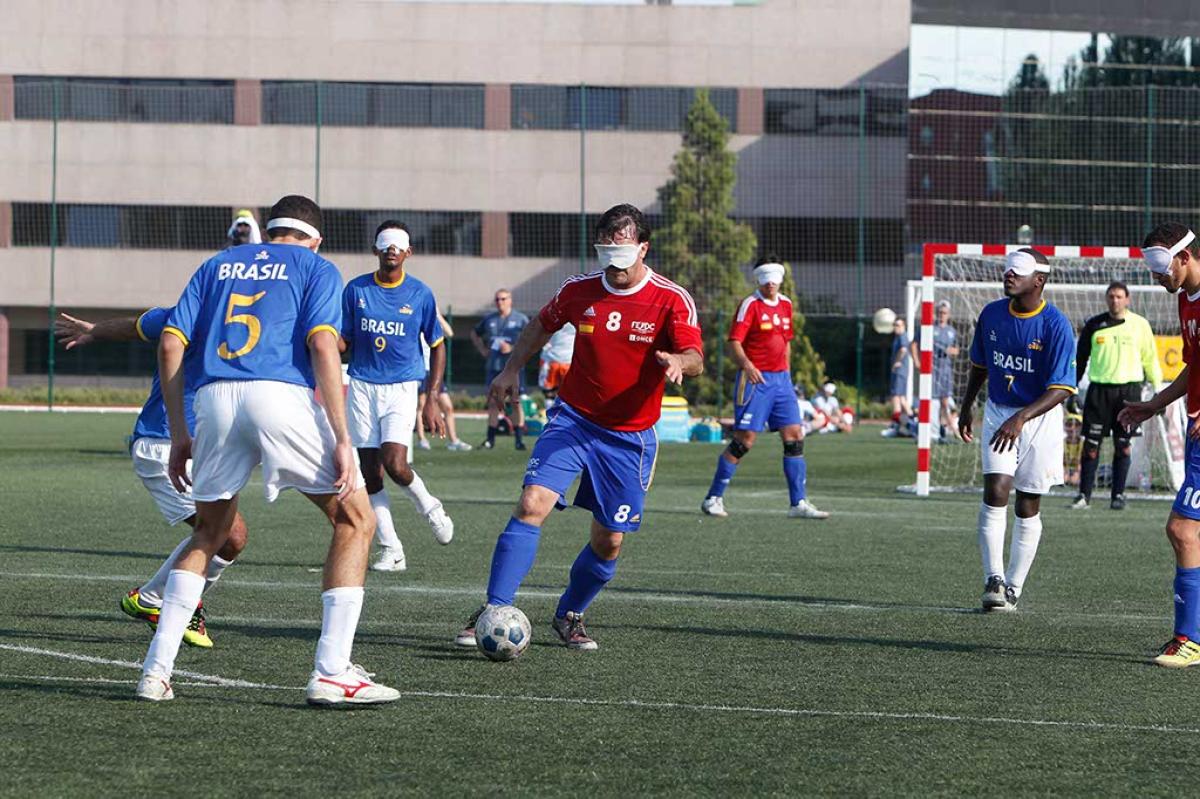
576	628
1173	646
361	672
197	622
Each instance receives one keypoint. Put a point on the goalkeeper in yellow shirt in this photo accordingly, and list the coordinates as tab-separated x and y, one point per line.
1116	350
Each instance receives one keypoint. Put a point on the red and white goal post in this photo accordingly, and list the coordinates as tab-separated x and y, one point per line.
970	276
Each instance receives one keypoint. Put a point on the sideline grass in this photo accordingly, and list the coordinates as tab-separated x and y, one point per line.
753	655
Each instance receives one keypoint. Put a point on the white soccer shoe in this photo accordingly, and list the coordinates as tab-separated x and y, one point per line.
353	686
441	524
423	444
391	559
154	688
806	510
459	446
714	506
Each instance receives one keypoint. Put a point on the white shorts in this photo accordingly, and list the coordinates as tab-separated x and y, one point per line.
1037	462
242	423
150	459
379	412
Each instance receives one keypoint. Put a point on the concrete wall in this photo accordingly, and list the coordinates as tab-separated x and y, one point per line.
427	169
138	279
787	43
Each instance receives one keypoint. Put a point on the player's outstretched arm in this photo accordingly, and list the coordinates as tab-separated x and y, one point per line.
532	339
1134	413
72	332
1006	436
966	416
327	368
170	375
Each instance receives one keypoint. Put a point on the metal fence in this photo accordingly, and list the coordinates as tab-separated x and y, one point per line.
500	187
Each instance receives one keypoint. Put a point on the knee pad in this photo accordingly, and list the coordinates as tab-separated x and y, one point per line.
1123	446
737	449
1091	448
793	449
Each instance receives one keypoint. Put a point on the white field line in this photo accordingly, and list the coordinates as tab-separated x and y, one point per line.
617	594
214	681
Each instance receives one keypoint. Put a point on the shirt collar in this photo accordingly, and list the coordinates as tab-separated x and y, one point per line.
632	289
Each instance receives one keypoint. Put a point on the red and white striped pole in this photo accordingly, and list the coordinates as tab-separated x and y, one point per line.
928	279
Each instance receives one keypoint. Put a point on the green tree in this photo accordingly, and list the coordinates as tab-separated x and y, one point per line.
702	247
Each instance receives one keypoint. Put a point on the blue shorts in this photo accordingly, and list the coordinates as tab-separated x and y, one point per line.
771	404
898	386
1187	501
615	468
943	383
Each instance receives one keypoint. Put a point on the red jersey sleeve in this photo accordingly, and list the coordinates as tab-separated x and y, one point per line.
555	314
741	320
685	324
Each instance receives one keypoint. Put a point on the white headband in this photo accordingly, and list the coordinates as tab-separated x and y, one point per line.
1023	264
294	224
1159	258
769	273
392	237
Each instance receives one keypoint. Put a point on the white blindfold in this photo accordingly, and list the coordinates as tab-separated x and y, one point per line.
1023	264
1159	258
769	273
392	237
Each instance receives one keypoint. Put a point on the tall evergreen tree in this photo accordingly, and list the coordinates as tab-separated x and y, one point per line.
700	245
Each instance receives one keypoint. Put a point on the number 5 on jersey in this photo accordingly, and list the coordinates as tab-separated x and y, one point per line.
253	326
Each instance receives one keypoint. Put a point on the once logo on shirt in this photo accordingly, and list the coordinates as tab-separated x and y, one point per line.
642	331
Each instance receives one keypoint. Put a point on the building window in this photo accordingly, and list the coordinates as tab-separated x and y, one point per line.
124	99
432	232
536	107
396	105
151	227
835	112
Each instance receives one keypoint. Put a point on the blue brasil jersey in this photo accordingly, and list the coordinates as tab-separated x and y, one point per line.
152	421
384	324
249	311
1024	354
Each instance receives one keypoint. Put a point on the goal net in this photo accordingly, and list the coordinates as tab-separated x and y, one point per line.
969	277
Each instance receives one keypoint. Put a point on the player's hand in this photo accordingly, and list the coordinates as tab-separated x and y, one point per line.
1134	413
343	461
504	388
966	419
753	374
1006	437
505	348
181	453
673	365
431	415
73	332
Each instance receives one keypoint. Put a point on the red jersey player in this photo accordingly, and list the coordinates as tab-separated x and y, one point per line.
1172	253
760	340
636	329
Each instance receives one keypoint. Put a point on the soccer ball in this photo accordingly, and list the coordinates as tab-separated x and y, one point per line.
502	633
883	320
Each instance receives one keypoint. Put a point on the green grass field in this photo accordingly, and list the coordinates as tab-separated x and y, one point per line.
753	655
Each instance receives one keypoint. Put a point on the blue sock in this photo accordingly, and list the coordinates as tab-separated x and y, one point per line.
511	561
1187	602
721	479
589	575
796	472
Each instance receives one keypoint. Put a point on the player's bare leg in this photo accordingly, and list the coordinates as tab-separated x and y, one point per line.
395	461
214	520
422	441
518	419
335	678
145	601
391	550
515	551
447	407
592	570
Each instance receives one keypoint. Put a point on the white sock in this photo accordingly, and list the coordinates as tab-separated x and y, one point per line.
152	592
338	623
992	525
385	528
1026	535
179	603
216	567
420	495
